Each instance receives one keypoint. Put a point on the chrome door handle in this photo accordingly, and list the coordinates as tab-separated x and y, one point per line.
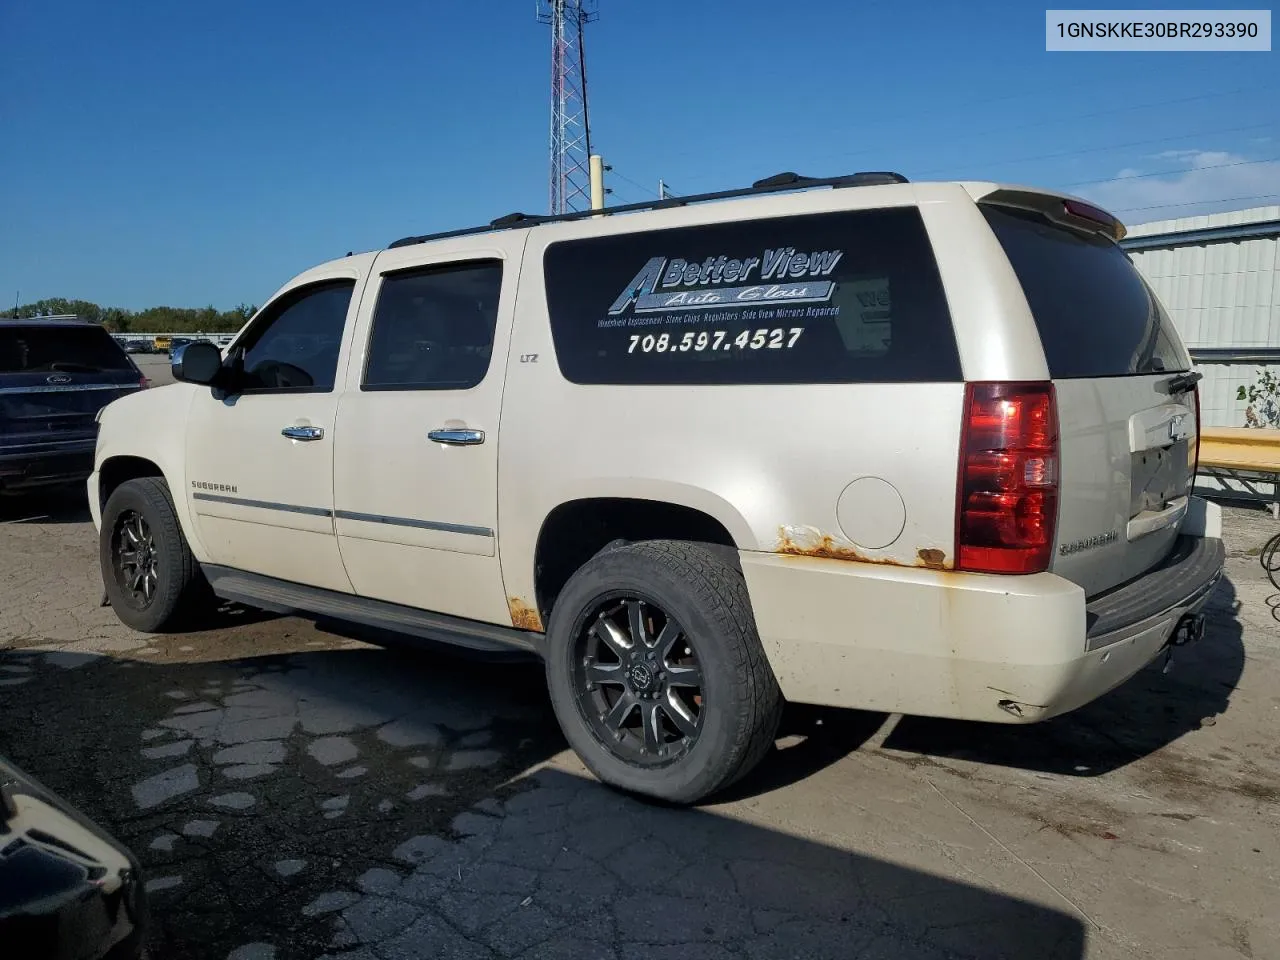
462	438
303	433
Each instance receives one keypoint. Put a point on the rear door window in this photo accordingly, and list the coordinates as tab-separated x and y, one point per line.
828	298
433	327
61	349
1096	314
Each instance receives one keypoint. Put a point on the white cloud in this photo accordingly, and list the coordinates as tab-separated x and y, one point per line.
1212	181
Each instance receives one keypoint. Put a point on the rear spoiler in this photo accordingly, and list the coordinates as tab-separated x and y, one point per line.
1067	211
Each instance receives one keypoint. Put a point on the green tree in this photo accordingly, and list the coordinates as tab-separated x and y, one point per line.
151	320
1264	400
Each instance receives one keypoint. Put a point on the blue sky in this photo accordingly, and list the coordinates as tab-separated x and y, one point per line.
186	154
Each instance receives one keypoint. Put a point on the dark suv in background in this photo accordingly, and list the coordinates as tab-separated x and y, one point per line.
55	375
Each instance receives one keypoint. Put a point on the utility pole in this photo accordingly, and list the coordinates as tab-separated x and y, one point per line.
597	182
662	190
570	140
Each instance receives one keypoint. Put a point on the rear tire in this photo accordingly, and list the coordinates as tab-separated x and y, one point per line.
656	672
151	579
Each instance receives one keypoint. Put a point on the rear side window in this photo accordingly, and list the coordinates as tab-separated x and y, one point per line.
433	328
1096	315
64	349
828	298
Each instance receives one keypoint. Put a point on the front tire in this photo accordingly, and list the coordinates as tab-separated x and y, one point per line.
151	579
656	672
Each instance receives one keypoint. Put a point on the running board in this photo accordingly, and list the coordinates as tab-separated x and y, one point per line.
282	596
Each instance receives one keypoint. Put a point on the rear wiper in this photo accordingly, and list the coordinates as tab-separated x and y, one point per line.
1183	382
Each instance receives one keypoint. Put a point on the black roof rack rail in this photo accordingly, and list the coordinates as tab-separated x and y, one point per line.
775	184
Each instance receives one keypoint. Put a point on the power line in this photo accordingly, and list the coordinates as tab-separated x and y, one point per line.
1107	112
1054	120
889	117
638	186
1114	146
1196	203
1169	173
625	196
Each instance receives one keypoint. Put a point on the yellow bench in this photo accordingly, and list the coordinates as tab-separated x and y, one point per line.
1241	448
1243	454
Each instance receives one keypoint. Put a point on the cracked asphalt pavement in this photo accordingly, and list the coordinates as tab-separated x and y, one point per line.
295	792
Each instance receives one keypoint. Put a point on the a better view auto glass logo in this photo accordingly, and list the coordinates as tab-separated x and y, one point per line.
691	285
1089	543
214	487
57	378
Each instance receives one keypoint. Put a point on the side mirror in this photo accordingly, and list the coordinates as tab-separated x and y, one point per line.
196	362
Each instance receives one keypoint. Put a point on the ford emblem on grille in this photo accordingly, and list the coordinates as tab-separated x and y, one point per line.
58	378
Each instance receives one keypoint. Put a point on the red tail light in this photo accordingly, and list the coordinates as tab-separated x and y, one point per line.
1007	496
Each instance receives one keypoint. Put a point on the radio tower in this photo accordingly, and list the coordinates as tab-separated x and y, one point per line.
570	128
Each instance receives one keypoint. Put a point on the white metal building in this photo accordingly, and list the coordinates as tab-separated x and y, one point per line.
1219	277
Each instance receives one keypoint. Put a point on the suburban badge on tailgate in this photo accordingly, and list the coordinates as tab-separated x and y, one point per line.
1089	543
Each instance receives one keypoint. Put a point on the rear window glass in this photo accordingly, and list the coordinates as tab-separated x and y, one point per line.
433	328
1096	315
32	349
828	298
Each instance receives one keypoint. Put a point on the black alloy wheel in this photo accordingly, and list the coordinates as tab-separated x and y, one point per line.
134	559
151	579
638	681
656	672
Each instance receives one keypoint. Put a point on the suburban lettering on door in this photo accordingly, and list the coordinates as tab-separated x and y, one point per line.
216	487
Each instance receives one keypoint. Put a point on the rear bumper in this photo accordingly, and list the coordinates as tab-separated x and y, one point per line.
40	464
968	646
1183	582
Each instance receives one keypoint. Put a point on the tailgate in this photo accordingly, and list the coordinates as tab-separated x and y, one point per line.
1127	419
1127	458
54	378
32	411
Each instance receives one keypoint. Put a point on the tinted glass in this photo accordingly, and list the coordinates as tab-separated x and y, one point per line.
296	345
829	298
31	349
1096	315
433	328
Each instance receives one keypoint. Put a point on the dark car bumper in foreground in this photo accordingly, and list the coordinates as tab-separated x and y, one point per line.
68	890
27	465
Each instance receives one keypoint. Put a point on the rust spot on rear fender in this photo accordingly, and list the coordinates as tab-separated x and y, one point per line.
932	557
797	541
524	616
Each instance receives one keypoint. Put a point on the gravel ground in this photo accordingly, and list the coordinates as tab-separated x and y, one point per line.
294	792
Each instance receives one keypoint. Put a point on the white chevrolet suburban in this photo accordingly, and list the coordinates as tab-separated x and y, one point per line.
925	448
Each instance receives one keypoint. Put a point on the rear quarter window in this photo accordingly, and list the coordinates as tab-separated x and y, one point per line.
829	298
1096	315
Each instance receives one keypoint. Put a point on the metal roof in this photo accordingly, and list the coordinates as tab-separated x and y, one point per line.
1219	277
